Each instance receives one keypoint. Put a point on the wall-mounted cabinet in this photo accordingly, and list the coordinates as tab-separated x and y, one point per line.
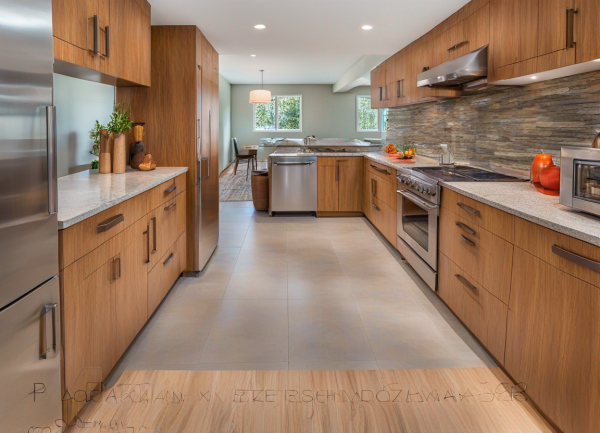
111	37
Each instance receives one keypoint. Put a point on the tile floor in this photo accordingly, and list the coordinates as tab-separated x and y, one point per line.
301	293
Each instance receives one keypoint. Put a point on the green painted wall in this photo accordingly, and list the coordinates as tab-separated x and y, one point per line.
226	153
324	113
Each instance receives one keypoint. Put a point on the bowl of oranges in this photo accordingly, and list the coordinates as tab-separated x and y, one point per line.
401	153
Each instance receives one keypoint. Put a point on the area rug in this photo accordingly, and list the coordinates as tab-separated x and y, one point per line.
237	188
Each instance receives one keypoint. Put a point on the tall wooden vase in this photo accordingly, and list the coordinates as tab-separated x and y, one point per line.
119	160
104	159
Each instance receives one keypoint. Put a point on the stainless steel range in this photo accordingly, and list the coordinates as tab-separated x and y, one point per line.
419	198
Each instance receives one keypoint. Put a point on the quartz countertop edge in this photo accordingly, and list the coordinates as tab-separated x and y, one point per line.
522	200
85	194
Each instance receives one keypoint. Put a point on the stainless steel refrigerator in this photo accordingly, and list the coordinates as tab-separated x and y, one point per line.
30	393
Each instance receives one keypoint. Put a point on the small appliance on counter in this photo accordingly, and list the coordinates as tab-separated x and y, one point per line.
580	179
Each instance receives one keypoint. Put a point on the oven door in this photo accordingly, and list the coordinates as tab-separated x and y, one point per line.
418	225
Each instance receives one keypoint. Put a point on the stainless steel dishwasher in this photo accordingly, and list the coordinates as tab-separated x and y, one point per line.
294	184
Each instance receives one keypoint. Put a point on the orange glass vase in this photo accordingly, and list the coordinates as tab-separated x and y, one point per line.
540	162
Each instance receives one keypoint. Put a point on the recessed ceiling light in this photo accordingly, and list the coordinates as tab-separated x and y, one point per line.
252	55
260	26
534	78
367	27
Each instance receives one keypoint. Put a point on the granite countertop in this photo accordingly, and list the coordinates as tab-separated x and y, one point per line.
85	194
522	199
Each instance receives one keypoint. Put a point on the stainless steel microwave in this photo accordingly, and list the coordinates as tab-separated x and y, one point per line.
580	179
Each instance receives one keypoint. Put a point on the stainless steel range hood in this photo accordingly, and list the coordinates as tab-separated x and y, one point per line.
456	72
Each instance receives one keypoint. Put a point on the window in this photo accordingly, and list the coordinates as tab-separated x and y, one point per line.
384	119
367	119
283	113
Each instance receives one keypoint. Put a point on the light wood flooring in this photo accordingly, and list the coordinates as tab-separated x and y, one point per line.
450	400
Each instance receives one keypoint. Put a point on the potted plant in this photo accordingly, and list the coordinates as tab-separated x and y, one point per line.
95	134
118	124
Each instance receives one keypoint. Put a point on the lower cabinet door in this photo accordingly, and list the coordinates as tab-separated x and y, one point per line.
350	188
132	287
553	342
162	277
483	313
327	190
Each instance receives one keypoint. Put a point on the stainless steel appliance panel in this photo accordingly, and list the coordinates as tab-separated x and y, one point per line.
30	391
294	184
28	220
580	179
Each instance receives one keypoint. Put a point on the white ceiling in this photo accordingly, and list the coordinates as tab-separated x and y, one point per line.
306	41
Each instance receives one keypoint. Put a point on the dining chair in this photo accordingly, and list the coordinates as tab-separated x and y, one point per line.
241	157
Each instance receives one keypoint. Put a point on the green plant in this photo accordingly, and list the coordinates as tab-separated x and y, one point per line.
95	133
95	164
119	120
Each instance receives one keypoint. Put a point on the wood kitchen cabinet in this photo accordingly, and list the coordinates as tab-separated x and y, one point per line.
108	36
108	288
379	86
585	30
379	198
339	185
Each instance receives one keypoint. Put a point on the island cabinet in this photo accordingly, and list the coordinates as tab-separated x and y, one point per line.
339	189
111	283
108	36
531	296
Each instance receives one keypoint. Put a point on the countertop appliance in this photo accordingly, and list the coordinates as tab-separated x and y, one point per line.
464	69
293	183
417	222
30	385
580	179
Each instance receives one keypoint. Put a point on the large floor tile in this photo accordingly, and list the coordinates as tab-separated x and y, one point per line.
261	284
327	330
248	332
310	284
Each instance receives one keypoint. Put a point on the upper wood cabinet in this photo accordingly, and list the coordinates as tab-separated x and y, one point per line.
585	30
378	86
514	31
108	36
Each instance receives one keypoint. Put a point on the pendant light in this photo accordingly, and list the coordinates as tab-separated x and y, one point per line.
261	96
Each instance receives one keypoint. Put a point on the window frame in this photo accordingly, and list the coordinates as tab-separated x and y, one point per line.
357	118
277	115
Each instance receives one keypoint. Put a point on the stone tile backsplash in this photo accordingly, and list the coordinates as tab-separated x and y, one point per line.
504	127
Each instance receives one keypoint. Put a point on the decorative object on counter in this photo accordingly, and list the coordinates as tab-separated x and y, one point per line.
105	161
541	162
147	163
596	142
95	133
260	190
136	151
118	124
447	157
550	177
261	96
404	153
94	165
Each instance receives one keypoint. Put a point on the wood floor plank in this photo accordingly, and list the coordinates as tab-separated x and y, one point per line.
450	400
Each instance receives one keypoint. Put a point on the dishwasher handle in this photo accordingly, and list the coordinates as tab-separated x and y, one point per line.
294	163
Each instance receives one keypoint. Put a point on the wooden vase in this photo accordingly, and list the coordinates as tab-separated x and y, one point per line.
104	159
119	156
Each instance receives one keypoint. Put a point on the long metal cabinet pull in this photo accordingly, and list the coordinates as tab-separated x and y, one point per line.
166	262
457	46
375	206
95	34
374	167
576	258
117	271
147	232
106	30
170	190
468	209
171	206
571	28
153	235
465	282
294	163
209	142
48	314
337	173
466	228
52	163
467	241
109	224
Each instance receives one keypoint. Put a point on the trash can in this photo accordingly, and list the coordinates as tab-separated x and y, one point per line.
260	189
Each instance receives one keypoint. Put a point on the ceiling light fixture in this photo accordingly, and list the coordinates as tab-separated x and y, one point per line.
260	26
367	27
261	96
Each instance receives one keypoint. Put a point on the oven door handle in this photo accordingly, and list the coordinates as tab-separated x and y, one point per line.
416	199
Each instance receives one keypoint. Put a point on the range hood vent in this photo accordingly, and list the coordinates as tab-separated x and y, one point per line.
456	72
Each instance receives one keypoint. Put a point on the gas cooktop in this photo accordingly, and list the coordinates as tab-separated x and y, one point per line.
462	173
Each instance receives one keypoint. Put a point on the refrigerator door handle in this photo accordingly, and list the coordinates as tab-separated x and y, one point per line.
48	325
209	143
52	163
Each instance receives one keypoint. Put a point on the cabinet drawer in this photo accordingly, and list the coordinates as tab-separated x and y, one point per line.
341	161
81	238
165	224
165	273
482	313
491	219
384	190
483	255
381	170
384	218
166	191
539	241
